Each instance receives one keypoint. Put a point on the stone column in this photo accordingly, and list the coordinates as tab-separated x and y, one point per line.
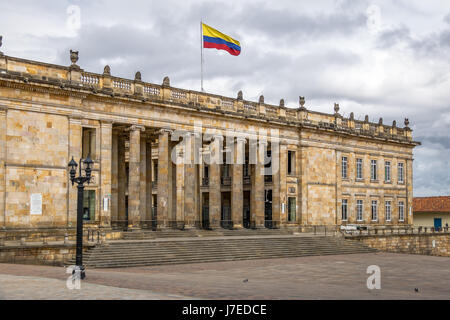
283	184
164	179
115	177
105	175
75	147
3	112
121	179
258	188
191	182
409	192
276	196
215	196
179	181
143	180
149	184
134	183
237	192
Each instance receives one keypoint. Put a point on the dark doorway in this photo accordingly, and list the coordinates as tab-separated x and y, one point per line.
246	213
226	222
205	212
268	210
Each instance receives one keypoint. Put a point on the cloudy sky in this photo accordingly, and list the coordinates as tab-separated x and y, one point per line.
383	58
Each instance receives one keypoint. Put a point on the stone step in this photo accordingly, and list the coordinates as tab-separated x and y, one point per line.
120	264
141	253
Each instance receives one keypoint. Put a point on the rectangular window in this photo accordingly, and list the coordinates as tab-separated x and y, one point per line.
387	171
401	211
344	167
373	170
388	211
374	210
246	167
291	163
88	143
155	171
292	210
359	169
359	210
401	178
206	172
89	205
344	210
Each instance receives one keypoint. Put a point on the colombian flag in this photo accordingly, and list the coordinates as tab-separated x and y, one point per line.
216	39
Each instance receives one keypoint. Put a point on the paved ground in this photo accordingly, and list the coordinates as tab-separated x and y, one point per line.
329	277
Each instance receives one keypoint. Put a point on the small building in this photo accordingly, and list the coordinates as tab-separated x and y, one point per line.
431	211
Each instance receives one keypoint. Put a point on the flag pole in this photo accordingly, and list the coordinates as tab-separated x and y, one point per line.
201	54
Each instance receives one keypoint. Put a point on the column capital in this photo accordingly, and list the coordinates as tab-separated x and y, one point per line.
164	131
135	128
217	137
241	139
106	123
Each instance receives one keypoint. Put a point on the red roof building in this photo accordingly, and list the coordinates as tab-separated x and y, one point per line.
432	211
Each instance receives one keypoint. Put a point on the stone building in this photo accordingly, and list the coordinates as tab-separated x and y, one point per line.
172	158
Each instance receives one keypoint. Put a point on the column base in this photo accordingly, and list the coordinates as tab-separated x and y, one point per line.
134	229
238	226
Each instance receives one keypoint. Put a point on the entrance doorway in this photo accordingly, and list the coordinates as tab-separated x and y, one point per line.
246	213
205	212
268	210
226	222
437	223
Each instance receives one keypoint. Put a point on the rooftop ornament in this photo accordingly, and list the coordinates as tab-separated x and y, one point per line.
380	122
1	39
166	82
261	99
240	96
138	76
394	124
107	70
407	124
302	103
74	58
366	119
352	116
282	103
336	108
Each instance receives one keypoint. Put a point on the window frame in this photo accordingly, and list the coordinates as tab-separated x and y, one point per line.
360	210
359	169
387	205
344	213
289	217
344	167
373	170
387	171
401	213
374	210
401	172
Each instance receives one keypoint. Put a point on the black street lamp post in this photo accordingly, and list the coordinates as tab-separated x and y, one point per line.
80	180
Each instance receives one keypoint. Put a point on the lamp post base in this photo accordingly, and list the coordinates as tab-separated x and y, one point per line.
79	270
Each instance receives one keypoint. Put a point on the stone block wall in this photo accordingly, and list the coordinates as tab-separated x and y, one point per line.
425	244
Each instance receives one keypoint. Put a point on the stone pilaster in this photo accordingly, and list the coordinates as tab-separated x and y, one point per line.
258	188
191	183
105	174
134	179
143	180
409	192
75	147
2	165
122	179
215	196
237	192
164	179
115	177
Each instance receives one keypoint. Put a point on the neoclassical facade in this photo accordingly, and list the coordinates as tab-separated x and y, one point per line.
171	158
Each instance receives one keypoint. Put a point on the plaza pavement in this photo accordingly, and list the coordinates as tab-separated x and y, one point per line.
326	277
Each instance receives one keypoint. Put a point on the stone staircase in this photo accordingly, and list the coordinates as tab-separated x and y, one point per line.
121	254
197	233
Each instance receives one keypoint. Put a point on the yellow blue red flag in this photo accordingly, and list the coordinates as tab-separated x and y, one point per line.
215	39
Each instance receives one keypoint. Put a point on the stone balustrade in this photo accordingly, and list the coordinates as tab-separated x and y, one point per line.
74	77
